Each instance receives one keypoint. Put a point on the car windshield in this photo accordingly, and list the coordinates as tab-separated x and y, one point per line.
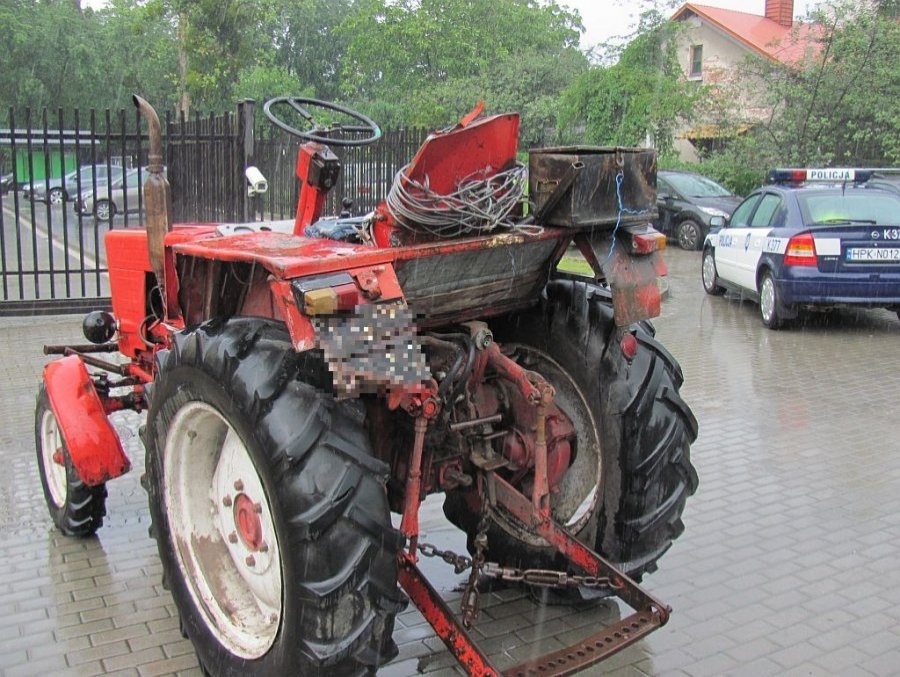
836	208
694	185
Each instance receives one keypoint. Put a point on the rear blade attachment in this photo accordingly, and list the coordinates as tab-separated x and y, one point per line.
649	613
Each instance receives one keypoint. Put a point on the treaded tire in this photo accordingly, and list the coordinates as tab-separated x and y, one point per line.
105	210
328	507
772	311
708	274
75	508
645	431
56	196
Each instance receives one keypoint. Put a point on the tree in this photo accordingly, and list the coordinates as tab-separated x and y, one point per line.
50	60
216	40
65	57
639	98
427	63
838	105
309	46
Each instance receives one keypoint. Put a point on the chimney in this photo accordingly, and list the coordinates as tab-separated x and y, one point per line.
780	11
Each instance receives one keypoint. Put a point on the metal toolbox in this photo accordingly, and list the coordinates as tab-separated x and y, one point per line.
577	186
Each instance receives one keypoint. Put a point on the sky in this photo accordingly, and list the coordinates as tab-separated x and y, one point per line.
606	19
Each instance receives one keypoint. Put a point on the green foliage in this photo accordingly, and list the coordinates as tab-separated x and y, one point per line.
307	44
838	105
640	96
65	58
261	83
48	61
427	63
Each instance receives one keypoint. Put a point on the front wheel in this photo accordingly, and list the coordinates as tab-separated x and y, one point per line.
75	508
626	488
709	275
689	235
269	511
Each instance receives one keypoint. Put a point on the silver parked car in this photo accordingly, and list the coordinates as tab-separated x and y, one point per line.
125	194
56	191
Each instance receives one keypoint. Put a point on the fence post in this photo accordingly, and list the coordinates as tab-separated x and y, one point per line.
245	154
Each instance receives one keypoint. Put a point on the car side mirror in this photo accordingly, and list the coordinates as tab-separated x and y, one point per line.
717	222
665	197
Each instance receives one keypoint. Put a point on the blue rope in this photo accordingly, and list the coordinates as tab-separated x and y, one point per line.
622	210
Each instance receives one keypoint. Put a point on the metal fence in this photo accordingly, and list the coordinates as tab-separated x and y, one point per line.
70	178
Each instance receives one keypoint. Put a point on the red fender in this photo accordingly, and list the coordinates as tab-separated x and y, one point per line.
93	444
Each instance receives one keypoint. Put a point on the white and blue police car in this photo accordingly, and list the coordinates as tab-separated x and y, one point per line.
808	239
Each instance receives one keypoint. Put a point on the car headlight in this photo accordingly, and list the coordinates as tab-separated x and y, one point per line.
714	211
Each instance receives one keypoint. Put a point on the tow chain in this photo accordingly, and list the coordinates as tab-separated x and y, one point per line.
544	578
548	578
459	562
471	600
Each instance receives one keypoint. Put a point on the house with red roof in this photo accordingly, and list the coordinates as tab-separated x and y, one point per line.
715	43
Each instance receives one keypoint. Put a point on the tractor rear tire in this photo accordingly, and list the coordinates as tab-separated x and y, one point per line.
75	508
641	475
269	510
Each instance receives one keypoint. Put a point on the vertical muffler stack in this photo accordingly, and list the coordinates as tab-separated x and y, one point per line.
157	197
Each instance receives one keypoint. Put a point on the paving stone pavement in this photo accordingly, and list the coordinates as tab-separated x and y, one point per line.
789	564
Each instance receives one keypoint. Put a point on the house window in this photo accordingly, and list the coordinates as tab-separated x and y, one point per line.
696	70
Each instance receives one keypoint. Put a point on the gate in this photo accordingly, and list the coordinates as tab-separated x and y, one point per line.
69	179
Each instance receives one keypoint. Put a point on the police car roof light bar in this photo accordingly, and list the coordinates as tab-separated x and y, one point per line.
832	174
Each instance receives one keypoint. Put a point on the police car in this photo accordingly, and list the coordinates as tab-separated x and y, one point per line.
810	238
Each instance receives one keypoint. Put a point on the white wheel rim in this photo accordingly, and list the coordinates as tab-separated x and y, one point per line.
52	456
232	570
55	197
103	211
709	271
767	299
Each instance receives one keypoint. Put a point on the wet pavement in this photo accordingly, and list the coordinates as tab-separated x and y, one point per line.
789	564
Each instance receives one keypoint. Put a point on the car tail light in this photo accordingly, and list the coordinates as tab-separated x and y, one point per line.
801	251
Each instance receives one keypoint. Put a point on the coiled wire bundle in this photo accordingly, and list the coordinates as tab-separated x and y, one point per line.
480	204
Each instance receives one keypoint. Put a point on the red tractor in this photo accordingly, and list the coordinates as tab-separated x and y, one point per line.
304	379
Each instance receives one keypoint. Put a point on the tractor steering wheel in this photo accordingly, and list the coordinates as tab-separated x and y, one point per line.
322	133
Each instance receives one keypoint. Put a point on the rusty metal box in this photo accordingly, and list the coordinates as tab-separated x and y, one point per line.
587	180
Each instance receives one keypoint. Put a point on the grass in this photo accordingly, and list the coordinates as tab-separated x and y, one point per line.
574	262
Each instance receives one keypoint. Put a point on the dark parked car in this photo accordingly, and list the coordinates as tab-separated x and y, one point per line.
686	202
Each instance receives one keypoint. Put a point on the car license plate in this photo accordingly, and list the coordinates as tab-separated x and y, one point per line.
873	254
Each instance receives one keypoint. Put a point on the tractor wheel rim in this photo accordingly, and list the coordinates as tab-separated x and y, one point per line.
709	271
223	531
576	501
53	458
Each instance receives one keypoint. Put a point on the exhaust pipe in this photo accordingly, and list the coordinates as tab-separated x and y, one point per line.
157	198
